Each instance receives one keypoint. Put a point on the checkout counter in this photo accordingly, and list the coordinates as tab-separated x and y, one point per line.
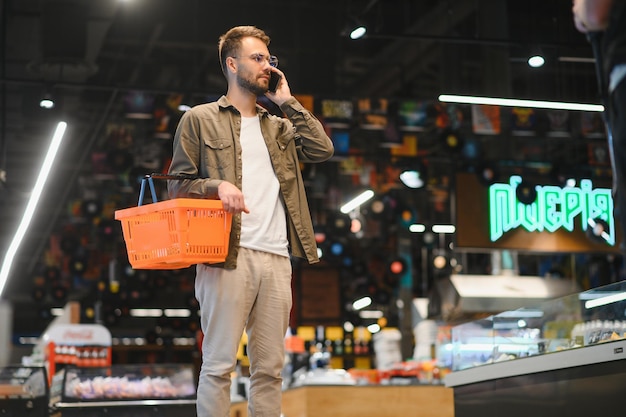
363	401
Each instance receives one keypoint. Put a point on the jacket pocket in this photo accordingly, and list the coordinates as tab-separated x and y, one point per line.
218	155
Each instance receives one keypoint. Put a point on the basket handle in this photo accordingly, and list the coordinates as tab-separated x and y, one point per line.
148	179
142	191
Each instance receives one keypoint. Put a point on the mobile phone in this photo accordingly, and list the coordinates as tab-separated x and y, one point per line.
274	79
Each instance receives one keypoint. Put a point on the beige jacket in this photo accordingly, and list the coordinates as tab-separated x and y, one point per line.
207	144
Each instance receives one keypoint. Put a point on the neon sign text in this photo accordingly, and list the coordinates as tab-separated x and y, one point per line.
554	208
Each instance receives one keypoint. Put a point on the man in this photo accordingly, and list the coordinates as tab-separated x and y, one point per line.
249	159
604	22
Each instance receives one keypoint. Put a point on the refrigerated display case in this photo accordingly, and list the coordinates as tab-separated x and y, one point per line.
566	356
23	391
124	390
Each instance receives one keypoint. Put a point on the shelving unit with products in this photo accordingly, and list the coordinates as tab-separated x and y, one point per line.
347	349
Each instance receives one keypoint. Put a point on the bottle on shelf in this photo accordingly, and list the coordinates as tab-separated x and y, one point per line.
348	343
320	356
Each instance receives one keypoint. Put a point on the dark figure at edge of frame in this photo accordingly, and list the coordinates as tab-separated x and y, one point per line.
604	23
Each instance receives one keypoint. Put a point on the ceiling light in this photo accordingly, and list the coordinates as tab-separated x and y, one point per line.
537	104
358	32
46	102
536	58
536	61
354	27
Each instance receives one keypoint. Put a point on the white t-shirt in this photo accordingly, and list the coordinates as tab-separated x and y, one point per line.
265	227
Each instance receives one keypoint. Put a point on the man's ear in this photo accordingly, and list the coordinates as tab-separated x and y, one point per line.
231	65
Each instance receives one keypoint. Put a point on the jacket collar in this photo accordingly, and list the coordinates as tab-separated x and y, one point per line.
224	103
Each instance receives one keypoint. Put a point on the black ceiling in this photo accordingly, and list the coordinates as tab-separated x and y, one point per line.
90	53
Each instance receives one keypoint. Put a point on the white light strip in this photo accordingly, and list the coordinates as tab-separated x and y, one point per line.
184	341
177	312
357	201
57	311
592	295
146	312
605	300
370	314
55	143
361	303
519	314
417	228
444	228
537	104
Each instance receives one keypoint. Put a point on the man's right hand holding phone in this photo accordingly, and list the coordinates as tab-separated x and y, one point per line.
282	92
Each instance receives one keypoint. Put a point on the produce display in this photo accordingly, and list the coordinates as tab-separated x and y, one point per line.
124	387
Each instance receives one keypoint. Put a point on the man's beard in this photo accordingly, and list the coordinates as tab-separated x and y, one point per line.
251	86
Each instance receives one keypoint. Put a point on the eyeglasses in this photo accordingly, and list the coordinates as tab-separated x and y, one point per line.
259	58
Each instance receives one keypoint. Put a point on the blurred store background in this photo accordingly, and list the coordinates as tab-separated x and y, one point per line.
120	74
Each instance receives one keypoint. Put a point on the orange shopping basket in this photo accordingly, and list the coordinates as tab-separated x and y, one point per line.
174	234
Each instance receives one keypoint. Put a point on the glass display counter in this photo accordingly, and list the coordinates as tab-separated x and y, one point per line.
564	356
23	391
124	390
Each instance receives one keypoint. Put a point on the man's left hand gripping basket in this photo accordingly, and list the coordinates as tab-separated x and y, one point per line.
174	234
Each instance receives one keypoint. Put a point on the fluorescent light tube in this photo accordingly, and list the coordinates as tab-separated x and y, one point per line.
444	228
177	312
417	228
357	201
361	303
537	104
55	143
146	312
609	299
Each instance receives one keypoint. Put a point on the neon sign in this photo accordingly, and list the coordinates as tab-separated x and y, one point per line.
554	208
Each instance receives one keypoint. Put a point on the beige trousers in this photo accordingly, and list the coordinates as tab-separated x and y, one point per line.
255	296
